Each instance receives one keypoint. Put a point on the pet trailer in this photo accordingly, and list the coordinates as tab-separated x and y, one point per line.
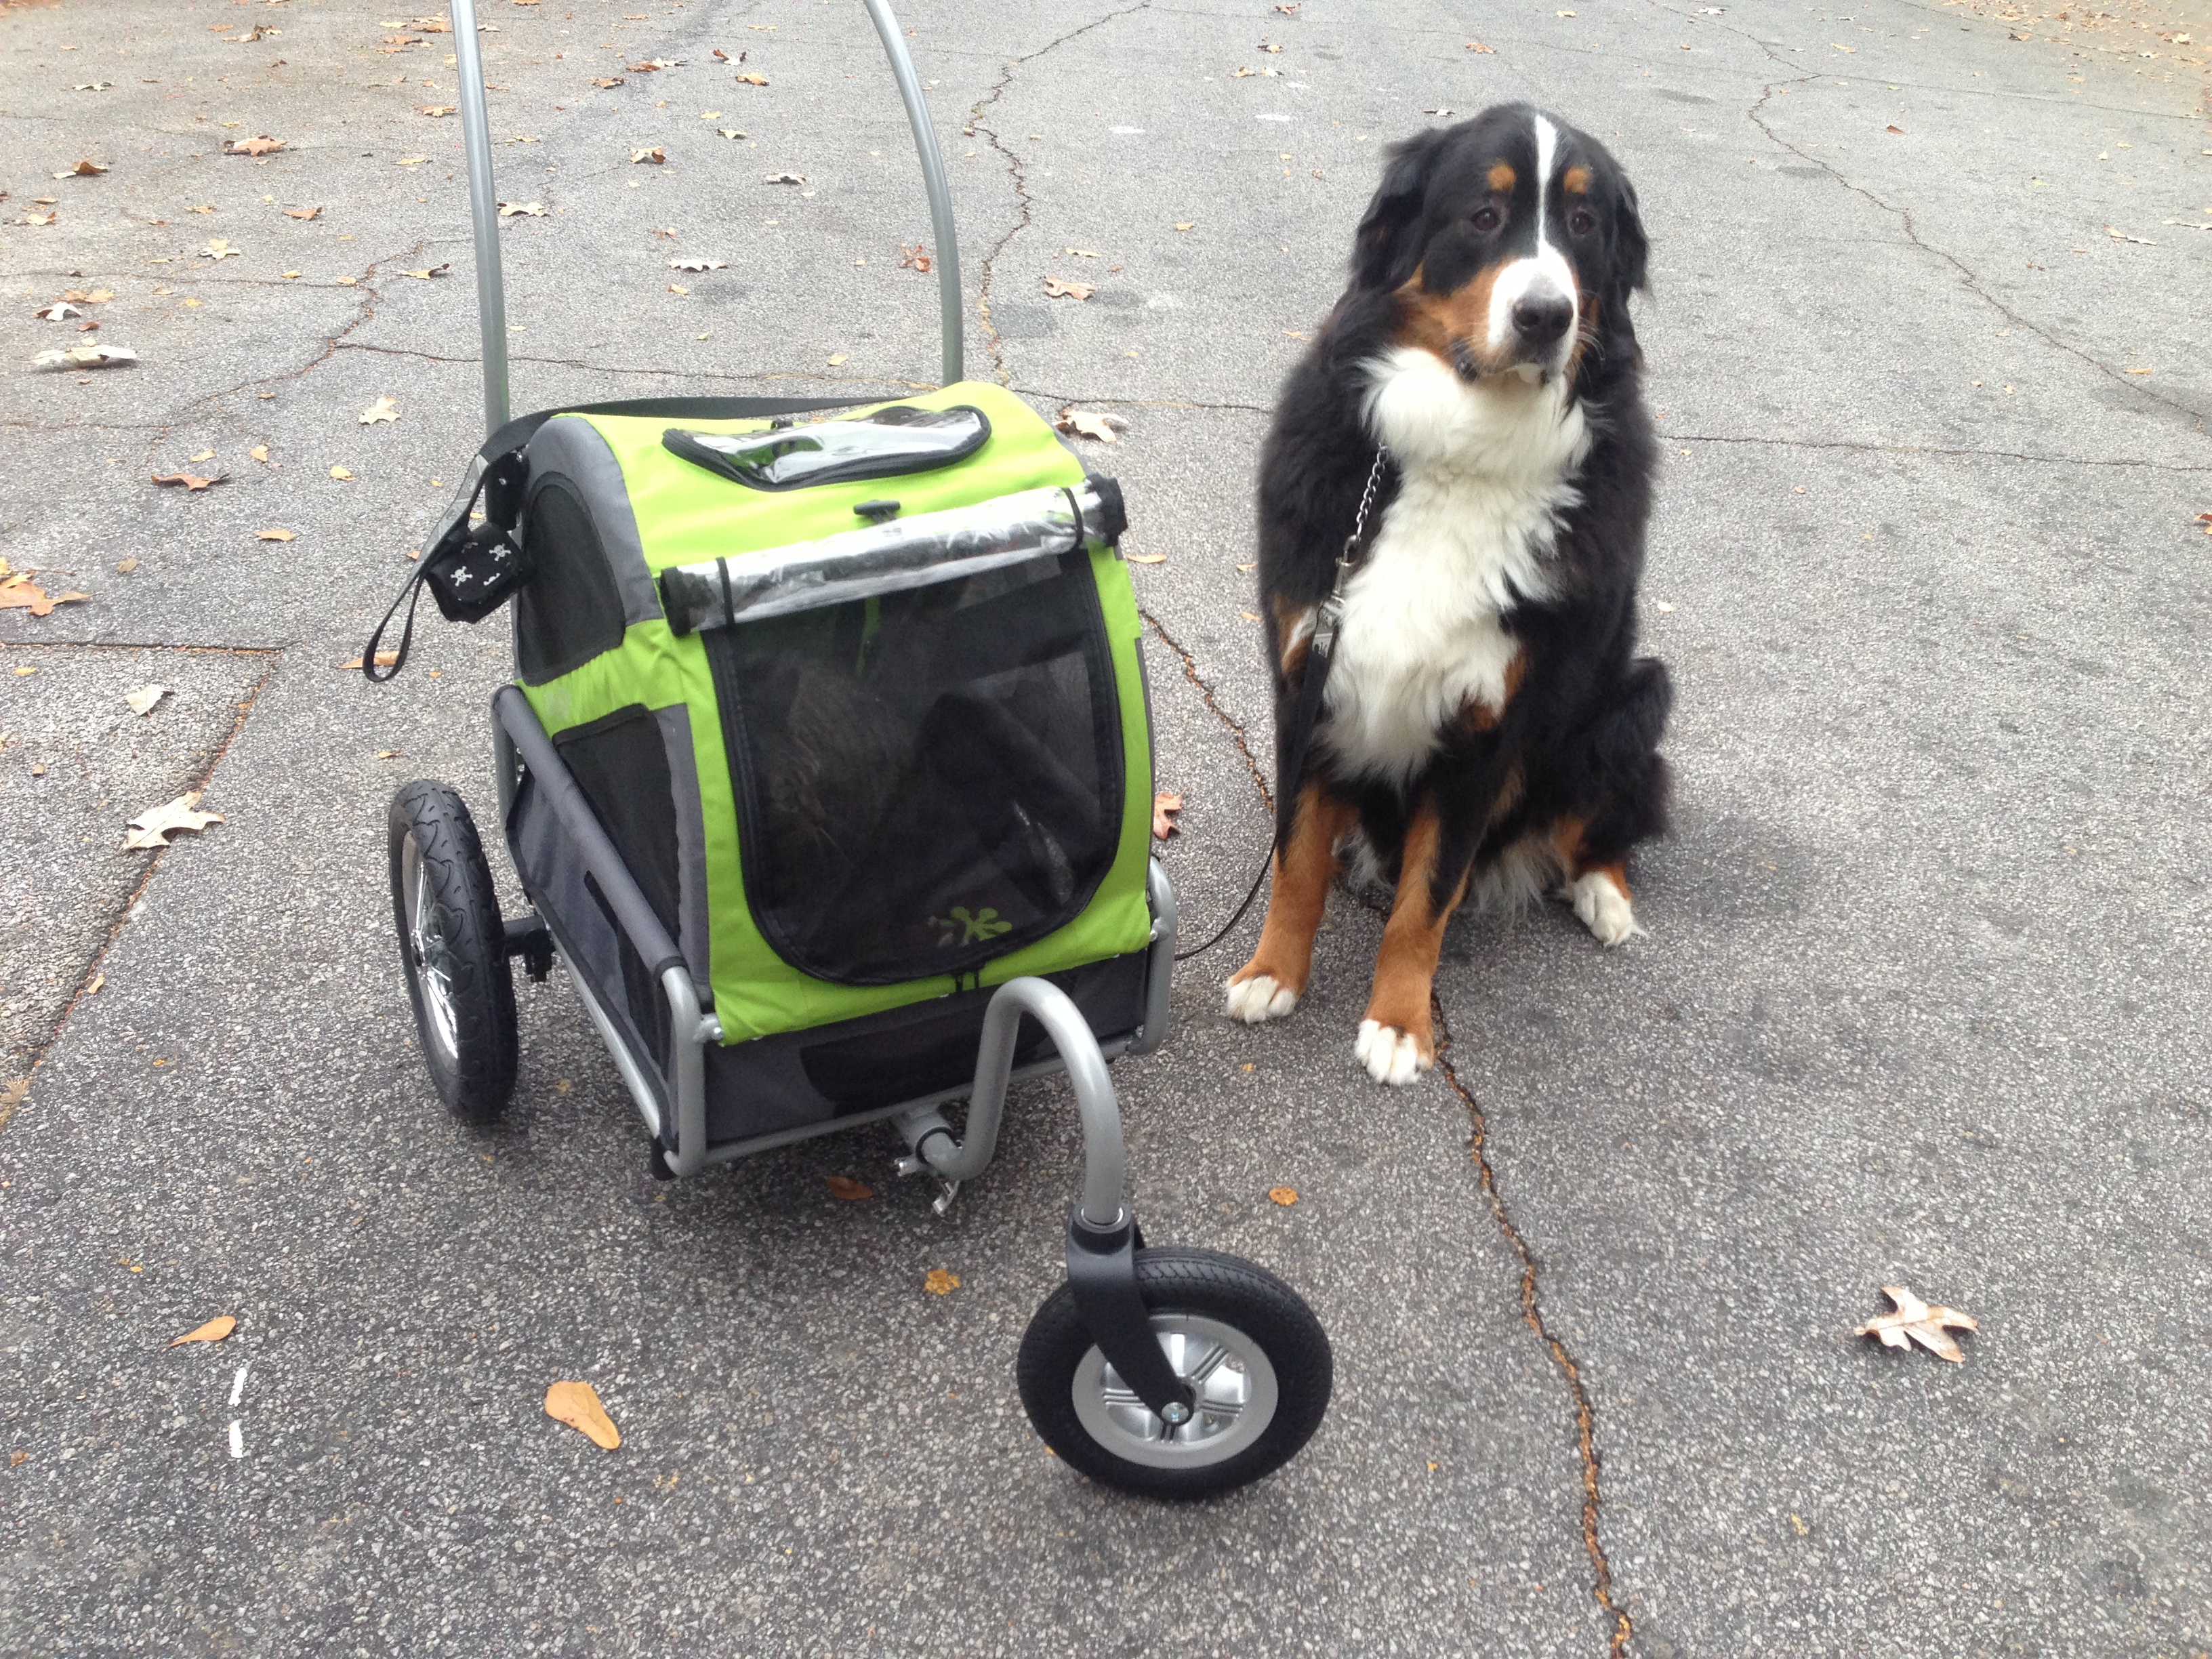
826	769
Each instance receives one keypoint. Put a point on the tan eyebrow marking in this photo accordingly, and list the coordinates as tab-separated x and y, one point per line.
1577	180
1502	175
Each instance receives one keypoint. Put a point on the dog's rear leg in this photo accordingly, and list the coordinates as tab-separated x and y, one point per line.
1270	984
1397	1041
1597	886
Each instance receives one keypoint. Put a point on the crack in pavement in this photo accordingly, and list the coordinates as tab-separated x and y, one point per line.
370	295
1140	403
12	1096
1973	282
1022	198
1532	1308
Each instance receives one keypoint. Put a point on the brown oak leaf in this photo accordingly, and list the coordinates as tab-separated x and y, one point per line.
1914	1321
154	826
1165	806
577	1404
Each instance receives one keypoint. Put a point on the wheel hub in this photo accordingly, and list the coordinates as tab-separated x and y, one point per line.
1233	1383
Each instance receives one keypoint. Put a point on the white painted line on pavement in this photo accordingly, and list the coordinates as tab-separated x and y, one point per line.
238	1386
237	1440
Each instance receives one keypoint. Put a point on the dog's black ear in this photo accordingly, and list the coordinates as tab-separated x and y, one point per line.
1631	247
1384	249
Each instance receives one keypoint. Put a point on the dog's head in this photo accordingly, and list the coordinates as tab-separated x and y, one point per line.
1513	243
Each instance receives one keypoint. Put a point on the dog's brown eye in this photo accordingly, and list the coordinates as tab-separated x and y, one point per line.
1582	221
1486	218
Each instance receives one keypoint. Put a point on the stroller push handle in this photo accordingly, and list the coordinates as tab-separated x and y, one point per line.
483	201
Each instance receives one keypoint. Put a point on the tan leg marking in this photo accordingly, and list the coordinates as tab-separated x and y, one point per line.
1270	984
1397	1042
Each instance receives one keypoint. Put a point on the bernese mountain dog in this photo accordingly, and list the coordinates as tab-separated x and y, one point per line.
1486	726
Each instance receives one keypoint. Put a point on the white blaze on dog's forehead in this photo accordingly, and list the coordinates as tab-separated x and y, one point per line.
1545	270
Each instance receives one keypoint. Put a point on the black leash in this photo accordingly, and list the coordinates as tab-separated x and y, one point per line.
1292	746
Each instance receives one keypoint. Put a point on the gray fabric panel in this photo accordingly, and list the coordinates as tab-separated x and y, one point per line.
572	446
690	841
553	874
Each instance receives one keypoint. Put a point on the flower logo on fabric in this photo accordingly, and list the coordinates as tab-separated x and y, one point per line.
974	928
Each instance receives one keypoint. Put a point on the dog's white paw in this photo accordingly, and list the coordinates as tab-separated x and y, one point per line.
1390	1055
1603	908
1262	997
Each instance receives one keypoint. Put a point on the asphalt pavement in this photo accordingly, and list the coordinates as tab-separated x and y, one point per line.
1922	1000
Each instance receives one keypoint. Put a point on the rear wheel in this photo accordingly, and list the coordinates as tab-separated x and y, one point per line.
1248	1346
454	950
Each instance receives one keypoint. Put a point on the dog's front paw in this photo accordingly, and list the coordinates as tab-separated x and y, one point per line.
1391	1056
1262	997
1603	908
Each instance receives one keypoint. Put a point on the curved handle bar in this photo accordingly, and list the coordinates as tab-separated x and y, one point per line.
484	203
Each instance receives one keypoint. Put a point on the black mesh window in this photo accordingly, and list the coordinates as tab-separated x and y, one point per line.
928	780
570	610
621	764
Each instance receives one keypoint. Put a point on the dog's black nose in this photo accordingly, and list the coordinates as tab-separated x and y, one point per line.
1540	319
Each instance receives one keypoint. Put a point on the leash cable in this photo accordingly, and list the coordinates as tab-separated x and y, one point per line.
1292	743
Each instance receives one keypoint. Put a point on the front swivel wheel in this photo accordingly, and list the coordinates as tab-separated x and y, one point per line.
1248	1346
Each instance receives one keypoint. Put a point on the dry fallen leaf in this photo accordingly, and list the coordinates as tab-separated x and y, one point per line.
59	312
513	209
219	249
428	272
940	1283
2119	235
697	265
852	1191
82	170
1147	558
126	566
1187	224
382	409
837	359
754	80
1914	1321
27	595
214	1331
1056	289
434	111
141	700
1895	129
607	81
192	482
85	357
914	258
204	455
383	660
1089	423
262	146
154	827
1284	1196
656	156
390	754
273	535
1477	45
1165	806
577	1404
301	213
652	64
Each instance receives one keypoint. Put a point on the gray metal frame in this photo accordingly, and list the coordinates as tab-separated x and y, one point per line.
483	202
692	1024
517	735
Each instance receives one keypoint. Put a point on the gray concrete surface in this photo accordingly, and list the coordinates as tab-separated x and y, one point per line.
1922	1000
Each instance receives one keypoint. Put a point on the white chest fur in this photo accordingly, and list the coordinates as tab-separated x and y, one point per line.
1484	472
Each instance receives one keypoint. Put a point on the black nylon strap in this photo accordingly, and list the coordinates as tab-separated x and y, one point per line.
502	506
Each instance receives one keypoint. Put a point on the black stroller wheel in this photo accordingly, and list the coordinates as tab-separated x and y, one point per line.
1243	1340
453	948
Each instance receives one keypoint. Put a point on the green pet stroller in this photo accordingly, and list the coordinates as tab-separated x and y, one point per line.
826	774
